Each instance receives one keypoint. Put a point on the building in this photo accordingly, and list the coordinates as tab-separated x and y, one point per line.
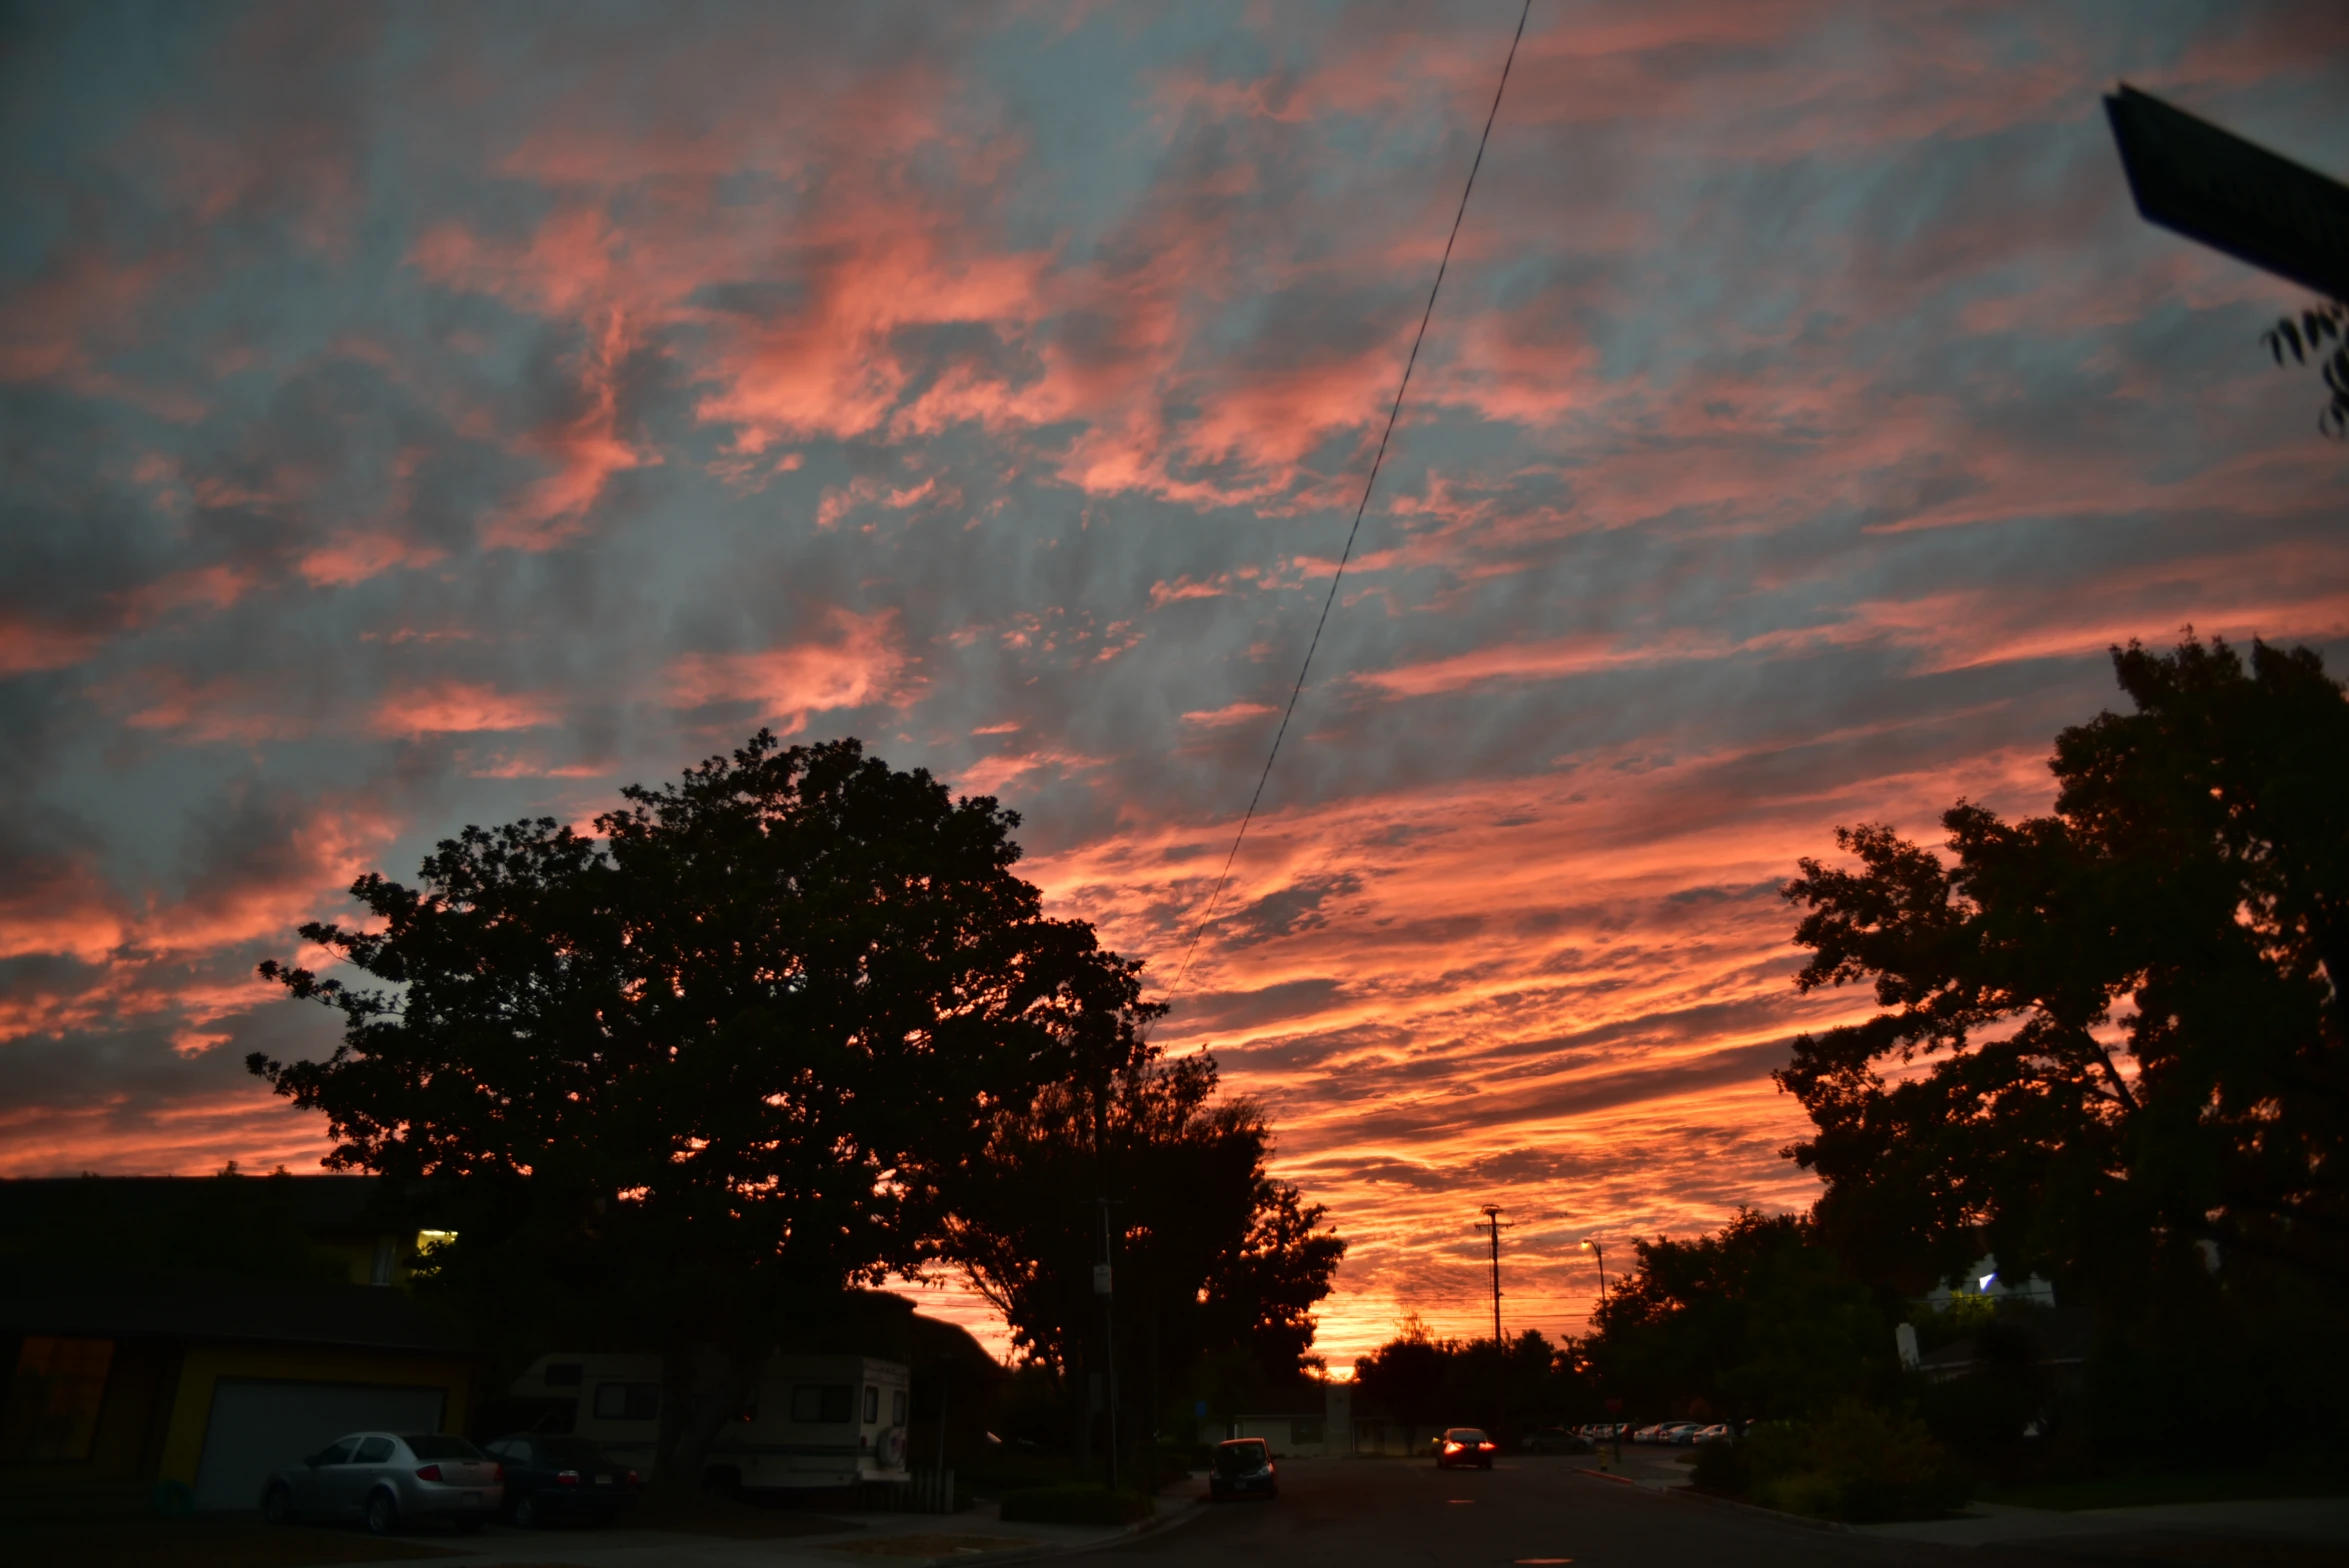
1298	1432
133	1390
168	1341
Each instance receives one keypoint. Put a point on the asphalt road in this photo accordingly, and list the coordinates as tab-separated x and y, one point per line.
1530	1512
1534	1512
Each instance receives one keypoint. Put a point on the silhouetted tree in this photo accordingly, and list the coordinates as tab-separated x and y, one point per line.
1754	1320
1407	1379
713	1068
2110	1032
1212	1255
2305	339
1508	1388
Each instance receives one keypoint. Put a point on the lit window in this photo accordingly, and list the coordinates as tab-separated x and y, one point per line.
431	1241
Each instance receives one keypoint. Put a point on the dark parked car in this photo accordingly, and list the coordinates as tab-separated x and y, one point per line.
386	1480
1464	1445
562	1477
1556	1440
1243	1468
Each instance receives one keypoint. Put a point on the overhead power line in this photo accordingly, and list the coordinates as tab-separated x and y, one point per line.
1368	484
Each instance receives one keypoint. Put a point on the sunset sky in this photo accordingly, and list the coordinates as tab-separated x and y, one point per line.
418	416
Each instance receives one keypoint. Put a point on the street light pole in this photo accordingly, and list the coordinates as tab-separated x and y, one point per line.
1600	1253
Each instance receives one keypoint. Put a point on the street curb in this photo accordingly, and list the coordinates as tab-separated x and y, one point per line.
1707	1499
1830	1526
1028	1554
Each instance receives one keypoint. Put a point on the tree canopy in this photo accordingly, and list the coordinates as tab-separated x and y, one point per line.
723	1059
1509	1387
2111	1032
1753	1320
2305	339
1211	1254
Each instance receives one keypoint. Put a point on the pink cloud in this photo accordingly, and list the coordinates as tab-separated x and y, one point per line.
215	587
27	646
353	558
53	328
1230	713
458	707
185	961
194	1135
585	450
860	662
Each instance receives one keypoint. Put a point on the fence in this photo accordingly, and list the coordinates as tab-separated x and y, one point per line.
929	1492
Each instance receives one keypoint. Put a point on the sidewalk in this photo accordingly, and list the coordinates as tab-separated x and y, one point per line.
2324	1519
881	1540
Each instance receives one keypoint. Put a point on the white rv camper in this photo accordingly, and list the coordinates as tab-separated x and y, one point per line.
814	1421
817	1421
615	1400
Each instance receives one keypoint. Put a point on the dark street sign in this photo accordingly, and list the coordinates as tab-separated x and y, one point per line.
2233	195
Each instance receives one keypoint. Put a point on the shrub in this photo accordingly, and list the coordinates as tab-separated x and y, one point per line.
1859	1463
1075	1505
1720	1467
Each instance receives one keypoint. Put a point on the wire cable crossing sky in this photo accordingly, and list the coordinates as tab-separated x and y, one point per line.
1369	483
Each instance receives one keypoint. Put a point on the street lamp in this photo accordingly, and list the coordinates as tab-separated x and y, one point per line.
1600	1253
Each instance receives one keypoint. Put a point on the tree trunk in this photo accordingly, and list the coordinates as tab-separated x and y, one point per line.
703	1387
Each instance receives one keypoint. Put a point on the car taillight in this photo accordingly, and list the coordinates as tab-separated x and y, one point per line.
1451	1448
1481	1447
632	1478
428	1473
497	1472
566	1478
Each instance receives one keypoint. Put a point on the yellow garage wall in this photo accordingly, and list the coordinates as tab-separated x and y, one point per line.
206	1365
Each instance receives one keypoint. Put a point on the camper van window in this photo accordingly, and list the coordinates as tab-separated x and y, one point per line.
872	1404
897	1408
824	1404
628	1401
563	1374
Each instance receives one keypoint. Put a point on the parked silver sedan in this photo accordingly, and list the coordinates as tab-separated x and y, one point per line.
387	1480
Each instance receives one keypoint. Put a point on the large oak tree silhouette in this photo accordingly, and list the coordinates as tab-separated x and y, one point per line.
686	1080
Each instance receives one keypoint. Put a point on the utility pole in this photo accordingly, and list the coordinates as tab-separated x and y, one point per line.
1101	1288
1492	1221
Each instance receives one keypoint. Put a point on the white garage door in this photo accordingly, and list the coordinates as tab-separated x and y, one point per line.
260	1426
